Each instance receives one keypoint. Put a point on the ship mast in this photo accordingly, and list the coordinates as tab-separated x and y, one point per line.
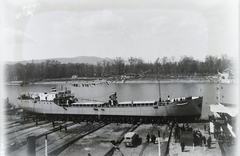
158	77
159	86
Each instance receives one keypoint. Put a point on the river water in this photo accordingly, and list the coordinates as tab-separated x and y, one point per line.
140	91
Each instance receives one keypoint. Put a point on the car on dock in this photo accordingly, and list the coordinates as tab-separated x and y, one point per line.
131	139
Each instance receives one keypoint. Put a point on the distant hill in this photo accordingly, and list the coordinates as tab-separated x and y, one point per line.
79	59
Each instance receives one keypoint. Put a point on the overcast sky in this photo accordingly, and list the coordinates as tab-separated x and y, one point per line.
145	29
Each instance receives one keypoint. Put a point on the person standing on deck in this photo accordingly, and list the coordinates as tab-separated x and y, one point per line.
160	100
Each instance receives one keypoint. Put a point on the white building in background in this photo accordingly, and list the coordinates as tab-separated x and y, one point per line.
74	76
227	76
224	77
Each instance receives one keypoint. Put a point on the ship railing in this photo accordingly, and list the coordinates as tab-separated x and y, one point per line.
84	99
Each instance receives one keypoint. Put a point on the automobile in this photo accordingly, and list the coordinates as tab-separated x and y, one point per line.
131	139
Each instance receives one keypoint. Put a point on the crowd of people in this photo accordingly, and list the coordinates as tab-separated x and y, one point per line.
198	137
151	138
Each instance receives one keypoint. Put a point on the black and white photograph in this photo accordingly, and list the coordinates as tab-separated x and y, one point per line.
119	78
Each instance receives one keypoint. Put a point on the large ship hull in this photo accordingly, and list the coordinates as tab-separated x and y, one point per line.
189	108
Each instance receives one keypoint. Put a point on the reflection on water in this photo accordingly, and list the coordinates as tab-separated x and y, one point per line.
128	92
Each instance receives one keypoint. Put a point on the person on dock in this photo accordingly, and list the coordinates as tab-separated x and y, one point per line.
205	127
187	126
209	130
182	145
194	137
204	140
183	127
153	139
229	140
209	141
148	137
176	133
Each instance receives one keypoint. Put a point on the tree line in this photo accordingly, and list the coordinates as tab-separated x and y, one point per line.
51	69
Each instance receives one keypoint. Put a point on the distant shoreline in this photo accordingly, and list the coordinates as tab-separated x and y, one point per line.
166	81
135	81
